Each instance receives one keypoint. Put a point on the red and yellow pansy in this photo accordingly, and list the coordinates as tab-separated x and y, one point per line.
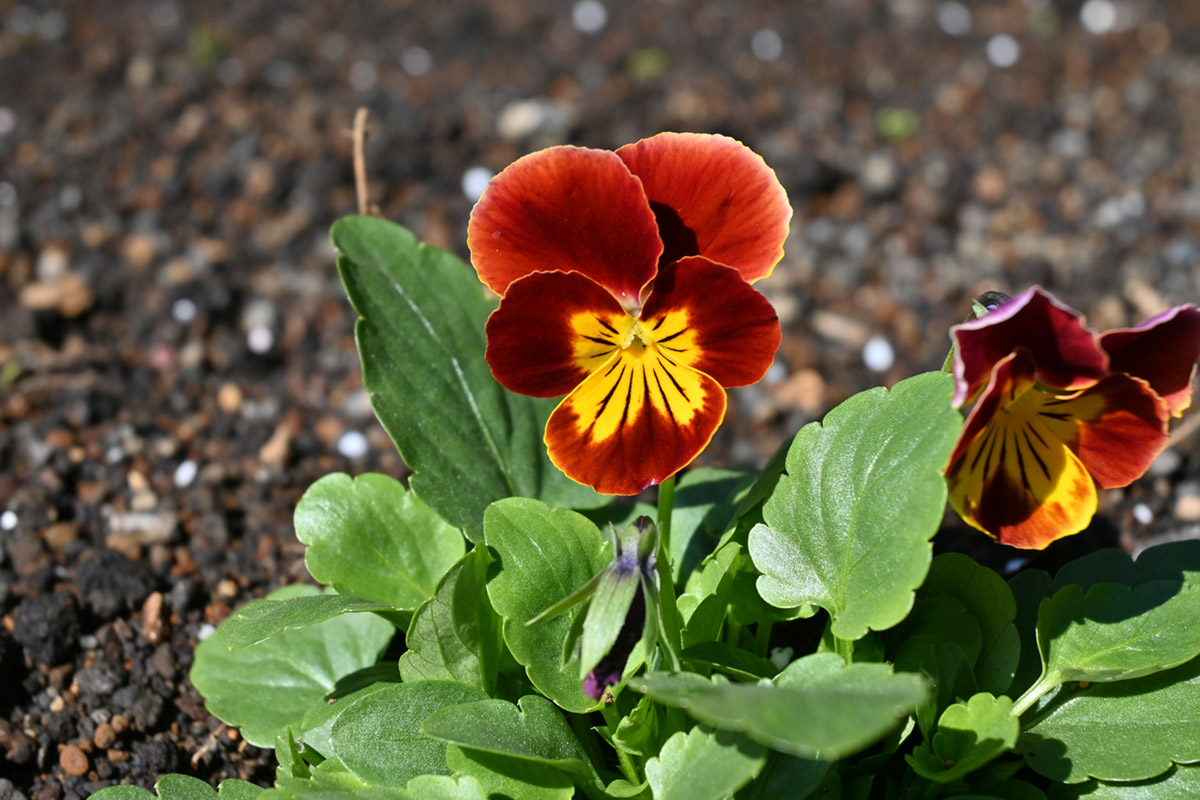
624	280
1059	410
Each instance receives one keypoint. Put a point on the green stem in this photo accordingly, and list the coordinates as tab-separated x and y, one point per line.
844	648
667	610
762	637
1034	693
666	505
612	718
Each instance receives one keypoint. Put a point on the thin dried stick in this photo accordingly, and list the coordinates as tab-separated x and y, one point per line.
360	160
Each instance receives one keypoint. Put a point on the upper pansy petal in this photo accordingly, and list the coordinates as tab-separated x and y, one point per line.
704	315
634	422
1117	427
714	197
1066	354
551	331
1162	351
566	209
1010	476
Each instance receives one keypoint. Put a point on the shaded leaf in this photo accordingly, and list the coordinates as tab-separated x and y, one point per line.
507	777
421	339
968	736
456	635
1182	780
1121	731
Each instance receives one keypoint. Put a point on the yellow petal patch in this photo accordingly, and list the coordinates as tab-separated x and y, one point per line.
1019	482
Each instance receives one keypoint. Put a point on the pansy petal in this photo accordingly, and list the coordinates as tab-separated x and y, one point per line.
634	422
714	197
704	315
566	209
1162	351
551	331
1117	427
1067	355
1009	476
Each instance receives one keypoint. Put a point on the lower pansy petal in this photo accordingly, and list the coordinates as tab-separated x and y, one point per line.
706	316
634	422
1162	351
1117	427
551	331
1020	485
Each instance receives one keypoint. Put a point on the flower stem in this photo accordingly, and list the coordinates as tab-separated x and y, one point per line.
612	719
844	648
668	612
762	637
1034	693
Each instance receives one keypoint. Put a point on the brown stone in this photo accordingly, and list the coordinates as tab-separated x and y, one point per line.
73	760
104	736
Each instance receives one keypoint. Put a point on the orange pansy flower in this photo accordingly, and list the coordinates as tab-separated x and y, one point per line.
1060	410
624	280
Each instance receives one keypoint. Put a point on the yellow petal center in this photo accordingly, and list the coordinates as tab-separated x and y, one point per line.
635	364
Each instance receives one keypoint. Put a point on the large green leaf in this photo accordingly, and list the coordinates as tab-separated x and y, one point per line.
379	738
182	787
848	527
259	620
705	500
533	731
456	634
421	338
503	776
1121	731
818	707
268	686
704	764
1182	781
968	736
317	724
369	537
544	555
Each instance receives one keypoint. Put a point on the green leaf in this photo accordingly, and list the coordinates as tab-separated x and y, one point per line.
638	731
370	538
270	685
606	616
260	620
733	661
317	724
968	736
1182	780
1123	731
706	603
704	764
1029	589
988	599
848	527
421	338
705	500
533	732
456	634
440	787
182	787
786	776
843	708
379	738
506	777
543	555
1115	632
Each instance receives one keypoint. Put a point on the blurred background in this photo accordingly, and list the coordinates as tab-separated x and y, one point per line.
177	360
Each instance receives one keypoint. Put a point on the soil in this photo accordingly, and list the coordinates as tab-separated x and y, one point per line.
177	361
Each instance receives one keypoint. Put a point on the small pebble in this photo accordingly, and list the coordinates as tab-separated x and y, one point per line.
206	630
104	737
229	398
1187	508
185	473
589	16
954	19
474	181
1143	514
8	121
1098	16
416	61
260	339
1003	50
183	310
73	760
878	355
8	520
352	444
766	45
